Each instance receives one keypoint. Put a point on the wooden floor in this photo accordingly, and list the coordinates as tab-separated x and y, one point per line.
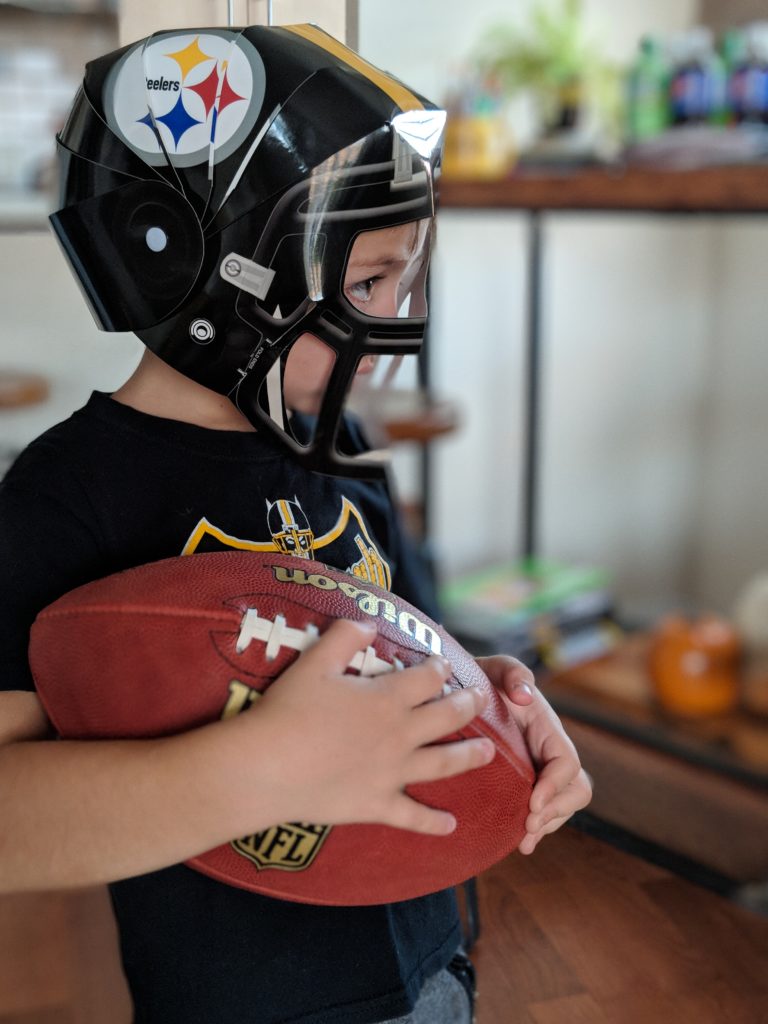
580	933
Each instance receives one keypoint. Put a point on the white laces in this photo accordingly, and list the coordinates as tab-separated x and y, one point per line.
276	633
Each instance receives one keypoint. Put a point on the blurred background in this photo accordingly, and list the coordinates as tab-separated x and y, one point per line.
584	461
651	463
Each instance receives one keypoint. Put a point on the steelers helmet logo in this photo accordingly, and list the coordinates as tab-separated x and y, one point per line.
197	95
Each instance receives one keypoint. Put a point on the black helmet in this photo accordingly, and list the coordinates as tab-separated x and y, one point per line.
214	185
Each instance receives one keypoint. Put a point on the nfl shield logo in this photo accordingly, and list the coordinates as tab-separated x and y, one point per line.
284	847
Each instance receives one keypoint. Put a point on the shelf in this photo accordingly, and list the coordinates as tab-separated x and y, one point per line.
20	389
730	189
406	415
414	416
615	693
89	8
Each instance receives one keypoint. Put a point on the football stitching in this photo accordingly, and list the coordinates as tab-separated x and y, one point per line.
276	633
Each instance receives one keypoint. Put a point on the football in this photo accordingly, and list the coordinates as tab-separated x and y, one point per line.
171	645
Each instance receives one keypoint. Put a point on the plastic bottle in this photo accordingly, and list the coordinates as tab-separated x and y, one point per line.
648	91
756	75
694	83
717	86
734	51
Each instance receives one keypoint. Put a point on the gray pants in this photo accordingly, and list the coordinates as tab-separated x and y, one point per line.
446	998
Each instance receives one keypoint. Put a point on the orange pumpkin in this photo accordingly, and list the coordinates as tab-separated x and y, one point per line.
695	665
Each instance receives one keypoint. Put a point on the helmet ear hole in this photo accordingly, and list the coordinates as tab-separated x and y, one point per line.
150	252
157	238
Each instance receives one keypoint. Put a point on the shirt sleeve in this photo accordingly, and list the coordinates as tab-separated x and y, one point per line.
46	549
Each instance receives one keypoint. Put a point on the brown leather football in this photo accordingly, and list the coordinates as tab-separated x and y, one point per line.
169	646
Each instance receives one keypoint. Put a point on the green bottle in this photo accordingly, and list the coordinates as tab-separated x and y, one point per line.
648	92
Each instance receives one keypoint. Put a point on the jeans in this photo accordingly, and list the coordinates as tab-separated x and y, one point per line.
448	997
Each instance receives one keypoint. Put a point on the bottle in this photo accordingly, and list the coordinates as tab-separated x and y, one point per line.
734	51
717	87
691	86
648	88
756	75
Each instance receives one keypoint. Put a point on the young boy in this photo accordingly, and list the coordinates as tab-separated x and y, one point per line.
257	206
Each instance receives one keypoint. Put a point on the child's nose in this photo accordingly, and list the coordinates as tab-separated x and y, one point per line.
388	307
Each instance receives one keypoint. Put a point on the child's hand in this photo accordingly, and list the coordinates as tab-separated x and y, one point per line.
348	745
562	786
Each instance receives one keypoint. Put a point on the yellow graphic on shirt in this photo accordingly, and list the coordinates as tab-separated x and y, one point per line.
291	533
290	528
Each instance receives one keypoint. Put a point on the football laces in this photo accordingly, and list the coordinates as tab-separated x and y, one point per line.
276	633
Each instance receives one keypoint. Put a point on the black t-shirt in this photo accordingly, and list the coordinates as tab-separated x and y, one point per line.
111	488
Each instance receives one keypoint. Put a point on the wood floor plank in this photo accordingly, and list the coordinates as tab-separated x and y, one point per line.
723	936
515	960
633	943
611	936
717	1003
580	1009
522	950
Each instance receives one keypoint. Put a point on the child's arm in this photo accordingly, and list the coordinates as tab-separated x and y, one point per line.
320	746
562	786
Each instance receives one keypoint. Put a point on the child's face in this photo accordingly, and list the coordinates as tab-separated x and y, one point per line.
381	266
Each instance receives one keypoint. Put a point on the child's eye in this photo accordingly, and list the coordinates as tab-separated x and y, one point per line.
362	291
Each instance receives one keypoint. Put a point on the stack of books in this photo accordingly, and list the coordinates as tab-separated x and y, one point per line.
544	613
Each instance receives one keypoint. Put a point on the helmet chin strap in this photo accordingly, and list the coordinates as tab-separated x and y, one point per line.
274	385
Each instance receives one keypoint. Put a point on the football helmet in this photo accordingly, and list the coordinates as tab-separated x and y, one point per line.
225	192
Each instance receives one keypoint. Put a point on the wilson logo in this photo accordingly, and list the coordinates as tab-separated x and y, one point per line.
371	604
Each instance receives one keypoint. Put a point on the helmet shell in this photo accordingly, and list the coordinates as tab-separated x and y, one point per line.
212	184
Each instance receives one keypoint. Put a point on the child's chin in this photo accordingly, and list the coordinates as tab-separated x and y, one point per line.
306	406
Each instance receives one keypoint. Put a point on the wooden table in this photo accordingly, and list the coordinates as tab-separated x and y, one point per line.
698	787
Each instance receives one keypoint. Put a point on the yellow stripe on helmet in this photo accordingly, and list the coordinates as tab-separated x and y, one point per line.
402	96
286	514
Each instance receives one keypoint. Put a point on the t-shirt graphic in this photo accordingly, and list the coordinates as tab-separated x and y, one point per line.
290	531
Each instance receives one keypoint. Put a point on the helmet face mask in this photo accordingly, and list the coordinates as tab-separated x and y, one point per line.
216	203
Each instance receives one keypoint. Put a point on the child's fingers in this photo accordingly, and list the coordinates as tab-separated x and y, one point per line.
415	817
504	670
555	776
446	759
422	683
575	796
446	715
